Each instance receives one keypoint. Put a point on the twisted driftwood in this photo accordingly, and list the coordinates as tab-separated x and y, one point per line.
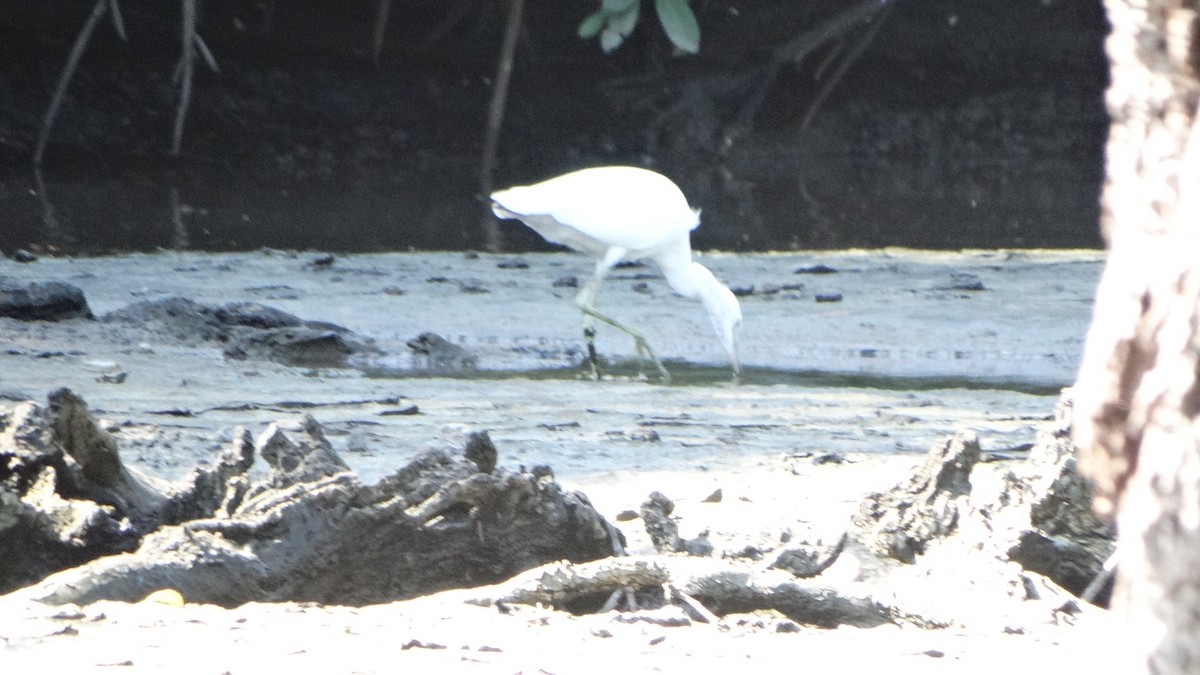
310	530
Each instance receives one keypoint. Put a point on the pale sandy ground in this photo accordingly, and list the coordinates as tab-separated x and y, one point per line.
902	316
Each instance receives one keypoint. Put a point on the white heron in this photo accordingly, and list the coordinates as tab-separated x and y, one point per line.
616	213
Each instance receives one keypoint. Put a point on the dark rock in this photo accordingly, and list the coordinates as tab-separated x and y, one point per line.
116	377
42	301
322	262
248	330
902	521
815	269
782	290
22	256
566	282
480	450
748	552
656	515
512	264
474	286
182	318
963	281
828	297
698	546
1068	562
406	410
254	315
643	435
188	319
664	531
301	346
438	354
809	560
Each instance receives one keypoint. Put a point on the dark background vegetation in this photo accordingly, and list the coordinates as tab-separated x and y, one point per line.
971	123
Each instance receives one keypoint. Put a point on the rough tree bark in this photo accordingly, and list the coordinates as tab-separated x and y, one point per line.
1138	393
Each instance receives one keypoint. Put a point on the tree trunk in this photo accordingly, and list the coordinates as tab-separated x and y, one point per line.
1138	393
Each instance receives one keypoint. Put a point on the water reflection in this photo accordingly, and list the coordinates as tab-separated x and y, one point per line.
59	237
154	208
82	210
180	241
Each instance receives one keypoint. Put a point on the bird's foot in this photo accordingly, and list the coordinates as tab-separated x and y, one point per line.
646	354
666	376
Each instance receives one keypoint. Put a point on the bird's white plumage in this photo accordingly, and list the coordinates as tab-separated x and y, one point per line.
613	206
619	213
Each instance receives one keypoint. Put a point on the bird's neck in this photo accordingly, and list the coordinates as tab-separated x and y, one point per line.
707	288
677	267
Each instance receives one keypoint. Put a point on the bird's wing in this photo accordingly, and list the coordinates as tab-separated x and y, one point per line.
626	207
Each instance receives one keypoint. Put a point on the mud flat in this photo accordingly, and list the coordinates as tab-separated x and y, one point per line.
842	396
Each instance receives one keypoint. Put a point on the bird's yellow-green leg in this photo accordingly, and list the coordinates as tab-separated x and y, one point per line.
586	300
644	349
589	336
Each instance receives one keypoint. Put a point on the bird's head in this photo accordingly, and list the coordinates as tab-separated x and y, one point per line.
728	323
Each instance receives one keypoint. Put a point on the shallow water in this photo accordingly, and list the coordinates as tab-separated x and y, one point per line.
95	208
688	374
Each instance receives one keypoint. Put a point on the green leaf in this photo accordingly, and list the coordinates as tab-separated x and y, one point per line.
617	27
590	27
679	23
625	22
610	39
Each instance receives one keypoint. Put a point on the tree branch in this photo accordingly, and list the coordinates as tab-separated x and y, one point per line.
81	41
187	59
504	66
801	46
844	63
383	9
